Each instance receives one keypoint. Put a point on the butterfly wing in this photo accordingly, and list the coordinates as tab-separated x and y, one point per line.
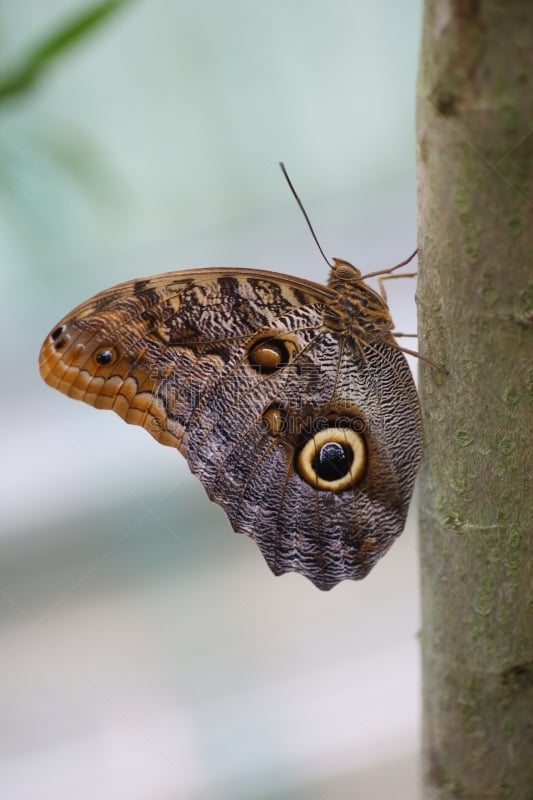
239	371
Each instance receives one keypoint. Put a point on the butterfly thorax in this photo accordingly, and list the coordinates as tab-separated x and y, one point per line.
357	309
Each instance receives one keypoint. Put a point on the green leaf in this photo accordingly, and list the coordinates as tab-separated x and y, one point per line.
32	67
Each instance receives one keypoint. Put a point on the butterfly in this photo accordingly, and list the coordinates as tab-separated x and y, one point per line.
291	401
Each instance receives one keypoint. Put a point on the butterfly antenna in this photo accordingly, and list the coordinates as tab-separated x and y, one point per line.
304	212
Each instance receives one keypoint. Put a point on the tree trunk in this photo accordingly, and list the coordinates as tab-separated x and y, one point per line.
475	136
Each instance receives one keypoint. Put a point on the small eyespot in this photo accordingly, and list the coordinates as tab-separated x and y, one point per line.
57	337
268	355
57	333
105	356
333	459
273	420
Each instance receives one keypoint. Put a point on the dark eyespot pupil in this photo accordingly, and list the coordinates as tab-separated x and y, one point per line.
57	333
333	461
104	357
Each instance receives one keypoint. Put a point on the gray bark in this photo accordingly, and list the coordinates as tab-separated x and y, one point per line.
475	138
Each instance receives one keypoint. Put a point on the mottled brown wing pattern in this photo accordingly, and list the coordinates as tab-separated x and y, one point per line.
307	434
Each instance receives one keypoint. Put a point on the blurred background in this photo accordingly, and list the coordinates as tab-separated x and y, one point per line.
147	651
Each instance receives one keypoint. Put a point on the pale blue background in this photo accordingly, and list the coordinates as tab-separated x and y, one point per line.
147	652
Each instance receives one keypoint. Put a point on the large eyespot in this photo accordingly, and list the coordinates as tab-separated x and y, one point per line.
333	459
269	354
105	356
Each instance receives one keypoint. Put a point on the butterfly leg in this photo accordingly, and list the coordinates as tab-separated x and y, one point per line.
382	278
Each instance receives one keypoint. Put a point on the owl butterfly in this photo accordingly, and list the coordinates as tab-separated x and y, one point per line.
290	400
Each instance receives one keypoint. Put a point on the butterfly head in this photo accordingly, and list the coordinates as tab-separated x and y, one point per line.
343	272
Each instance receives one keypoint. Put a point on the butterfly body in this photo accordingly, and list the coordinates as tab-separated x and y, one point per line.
290	400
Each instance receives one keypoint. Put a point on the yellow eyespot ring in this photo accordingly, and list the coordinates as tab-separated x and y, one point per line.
330	452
